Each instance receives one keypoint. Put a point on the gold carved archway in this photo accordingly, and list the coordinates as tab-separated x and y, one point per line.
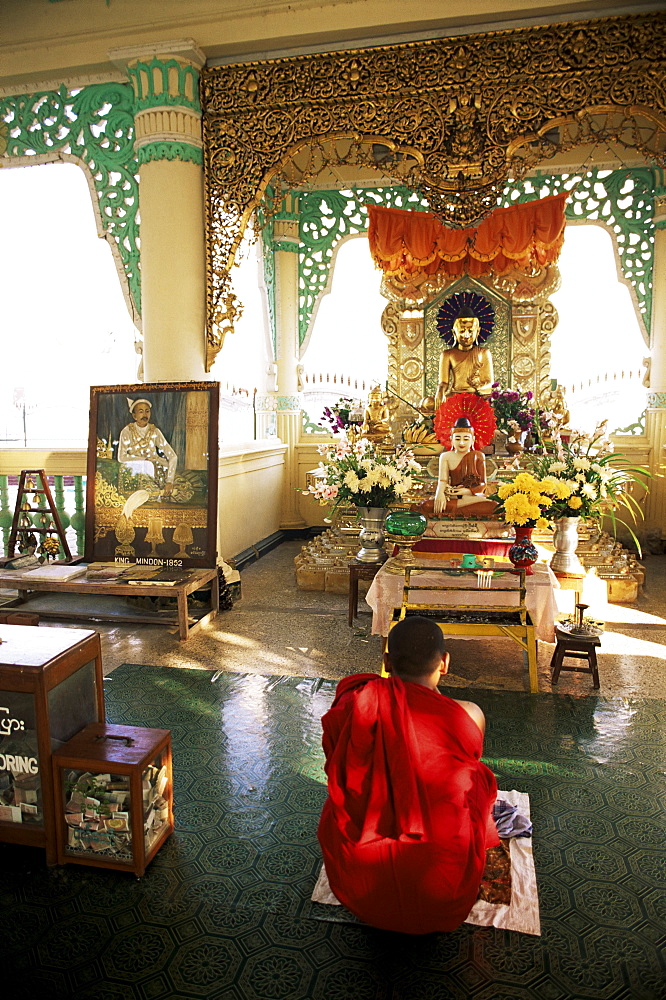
454	118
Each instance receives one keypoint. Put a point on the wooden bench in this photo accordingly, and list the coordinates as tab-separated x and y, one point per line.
196	581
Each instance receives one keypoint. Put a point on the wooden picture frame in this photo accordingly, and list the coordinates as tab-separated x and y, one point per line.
151	492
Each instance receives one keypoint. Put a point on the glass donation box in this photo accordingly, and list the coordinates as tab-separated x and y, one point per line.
50	687
114	796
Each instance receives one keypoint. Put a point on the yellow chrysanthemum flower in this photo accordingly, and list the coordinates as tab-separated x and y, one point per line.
526	482
542	522
575	503
505	490
518	509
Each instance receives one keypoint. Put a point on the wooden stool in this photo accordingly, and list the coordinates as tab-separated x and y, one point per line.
576	647
359	571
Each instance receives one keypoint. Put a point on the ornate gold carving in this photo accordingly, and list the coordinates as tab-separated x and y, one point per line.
412	369
547	322
454	119
524	324
391	327
522	367
411	331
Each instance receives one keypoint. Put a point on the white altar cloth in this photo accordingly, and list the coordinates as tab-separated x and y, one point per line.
385	594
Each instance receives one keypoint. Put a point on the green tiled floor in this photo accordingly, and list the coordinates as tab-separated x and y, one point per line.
224	912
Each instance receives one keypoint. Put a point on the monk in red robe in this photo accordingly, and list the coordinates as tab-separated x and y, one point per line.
408	819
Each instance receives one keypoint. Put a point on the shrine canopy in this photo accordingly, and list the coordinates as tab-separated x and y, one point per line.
520	237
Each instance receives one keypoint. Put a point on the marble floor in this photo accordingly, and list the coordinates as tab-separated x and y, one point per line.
277	629
224	913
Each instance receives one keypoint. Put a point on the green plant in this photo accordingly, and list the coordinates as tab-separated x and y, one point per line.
599	481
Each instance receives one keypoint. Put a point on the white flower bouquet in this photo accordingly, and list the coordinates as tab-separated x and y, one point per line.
599	480
355	474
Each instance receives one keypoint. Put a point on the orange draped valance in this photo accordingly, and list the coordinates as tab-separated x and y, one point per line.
522	236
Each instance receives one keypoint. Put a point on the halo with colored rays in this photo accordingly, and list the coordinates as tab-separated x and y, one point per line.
450	308
478	411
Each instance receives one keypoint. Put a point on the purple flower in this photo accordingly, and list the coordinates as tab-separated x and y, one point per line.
528	395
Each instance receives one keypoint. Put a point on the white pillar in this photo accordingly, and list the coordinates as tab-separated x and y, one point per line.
655	417
288	400
168	142
173	274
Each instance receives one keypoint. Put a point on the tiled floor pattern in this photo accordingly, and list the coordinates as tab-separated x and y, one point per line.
223	912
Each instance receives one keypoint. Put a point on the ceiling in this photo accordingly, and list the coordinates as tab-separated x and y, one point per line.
46	41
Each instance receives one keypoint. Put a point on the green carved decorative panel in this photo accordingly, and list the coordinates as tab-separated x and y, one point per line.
621	199
624	201
325	218
94	125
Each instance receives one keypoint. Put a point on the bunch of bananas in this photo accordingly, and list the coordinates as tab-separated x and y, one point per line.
418	432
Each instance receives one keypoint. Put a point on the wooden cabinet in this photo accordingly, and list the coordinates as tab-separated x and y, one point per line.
50	688
114	796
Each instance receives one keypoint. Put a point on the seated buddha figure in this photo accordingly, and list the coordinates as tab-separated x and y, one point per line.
467	367
461	479
376	425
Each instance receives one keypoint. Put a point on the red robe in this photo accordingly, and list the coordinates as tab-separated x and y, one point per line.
408	819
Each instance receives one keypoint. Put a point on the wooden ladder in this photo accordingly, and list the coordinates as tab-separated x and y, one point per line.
34	481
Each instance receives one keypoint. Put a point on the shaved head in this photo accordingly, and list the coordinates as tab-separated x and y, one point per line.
416	646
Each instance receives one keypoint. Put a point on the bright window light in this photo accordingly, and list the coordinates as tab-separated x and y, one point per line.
598	336
65	322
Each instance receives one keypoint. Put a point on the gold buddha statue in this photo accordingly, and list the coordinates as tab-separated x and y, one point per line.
467	367
554	402
376	426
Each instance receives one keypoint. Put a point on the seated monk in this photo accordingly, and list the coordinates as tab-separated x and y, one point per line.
408	819
462	478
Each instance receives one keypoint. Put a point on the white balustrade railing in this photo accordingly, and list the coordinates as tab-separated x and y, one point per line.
605	381
334	382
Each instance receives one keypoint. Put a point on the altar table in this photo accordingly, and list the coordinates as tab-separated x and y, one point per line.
385	594
479	546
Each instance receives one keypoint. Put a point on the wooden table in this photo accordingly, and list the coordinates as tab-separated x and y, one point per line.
386	593
198	579
359	571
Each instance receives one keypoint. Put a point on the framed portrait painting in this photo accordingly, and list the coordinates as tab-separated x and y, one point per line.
151	494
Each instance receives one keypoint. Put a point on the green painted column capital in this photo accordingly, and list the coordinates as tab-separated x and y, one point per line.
167	111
